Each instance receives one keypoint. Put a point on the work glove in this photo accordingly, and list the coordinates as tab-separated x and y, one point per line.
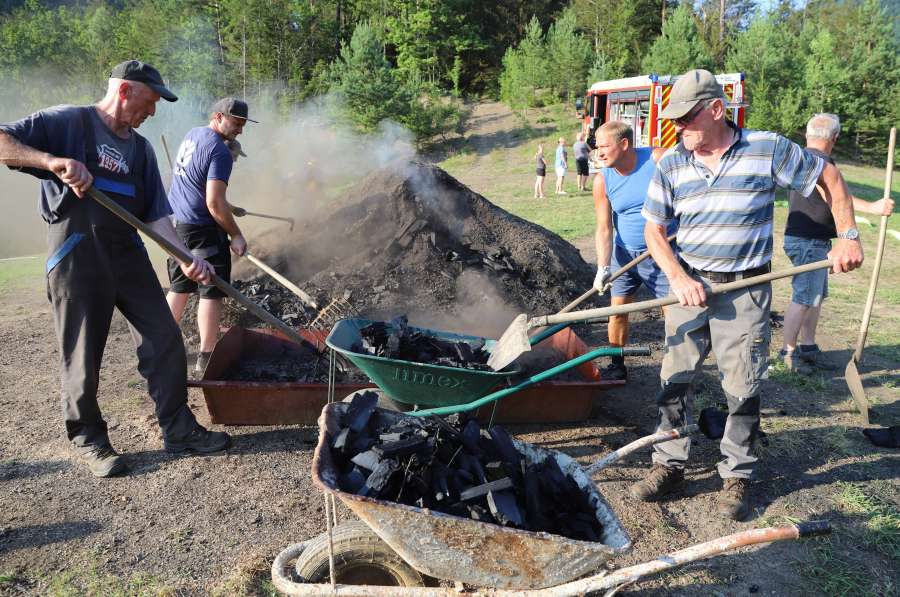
238	212
601	280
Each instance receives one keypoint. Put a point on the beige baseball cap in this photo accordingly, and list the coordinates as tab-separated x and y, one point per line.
689	89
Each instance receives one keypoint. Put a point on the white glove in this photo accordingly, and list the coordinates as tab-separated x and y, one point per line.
602	278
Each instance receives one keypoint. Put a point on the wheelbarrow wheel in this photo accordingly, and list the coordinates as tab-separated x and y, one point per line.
384	401
360	558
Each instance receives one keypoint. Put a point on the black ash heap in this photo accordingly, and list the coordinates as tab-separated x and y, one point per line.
396	340
454	466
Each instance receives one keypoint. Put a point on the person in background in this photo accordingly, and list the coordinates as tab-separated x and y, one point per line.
204	217
561	164
620	189
541	172
97	262
582	153
807	238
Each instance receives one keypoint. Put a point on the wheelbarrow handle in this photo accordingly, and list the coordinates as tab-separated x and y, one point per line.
537	378
638	444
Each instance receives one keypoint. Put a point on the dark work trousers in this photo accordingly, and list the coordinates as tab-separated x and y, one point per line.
97	263
735	327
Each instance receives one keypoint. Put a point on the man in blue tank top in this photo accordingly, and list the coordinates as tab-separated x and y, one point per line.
620	189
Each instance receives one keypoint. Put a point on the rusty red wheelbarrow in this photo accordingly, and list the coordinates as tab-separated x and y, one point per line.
398	550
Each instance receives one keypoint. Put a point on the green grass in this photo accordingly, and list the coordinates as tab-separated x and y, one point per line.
16	274
813	383
829	572
86	579
880	517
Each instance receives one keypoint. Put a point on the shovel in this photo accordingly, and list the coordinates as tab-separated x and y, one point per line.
851	374
552	330
515	341
308	300
218	282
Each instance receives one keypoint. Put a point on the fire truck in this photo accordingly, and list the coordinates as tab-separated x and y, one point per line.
639	100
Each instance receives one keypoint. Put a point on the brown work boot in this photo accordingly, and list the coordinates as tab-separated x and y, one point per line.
793	362
813	355
659	482
734	498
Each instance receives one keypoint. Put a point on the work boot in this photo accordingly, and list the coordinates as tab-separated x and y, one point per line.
102	460
734	498
813	355
615	370
202	362
659	482
200	440
793	362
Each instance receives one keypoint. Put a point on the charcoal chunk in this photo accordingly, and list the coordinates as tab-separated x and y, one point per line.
361	408
480	490
503	506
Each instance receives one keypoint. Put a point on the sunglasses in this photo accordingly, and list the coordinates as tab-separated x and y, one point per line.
690	116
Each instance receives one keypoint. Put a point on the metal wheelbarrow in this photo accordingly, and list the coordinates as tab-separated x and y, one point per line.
448	390
506	561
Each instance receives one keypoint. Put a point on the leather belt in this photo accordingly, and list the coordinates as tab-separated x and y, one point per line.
725	277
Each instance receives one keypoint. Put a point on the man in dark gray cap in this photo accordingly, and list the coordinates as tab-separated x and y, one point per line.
97	262
204	217
719	184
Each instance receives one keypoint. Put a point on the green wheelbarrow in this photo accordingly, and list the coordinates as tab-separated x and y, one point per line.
446	390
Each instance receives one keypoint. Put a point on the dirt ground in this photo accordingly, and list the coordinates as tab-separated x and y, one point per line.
212	525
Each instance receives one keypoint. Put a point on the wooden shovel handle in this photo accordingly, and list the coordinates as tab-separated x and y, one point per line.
183	257
879	252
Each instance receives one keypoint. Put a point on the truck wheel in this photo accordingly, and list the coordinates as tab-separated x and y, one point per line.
384	401
360	558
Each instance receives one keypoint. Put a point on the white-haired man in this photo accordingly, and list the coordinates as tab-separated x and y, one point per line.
807	238
98	263
719	183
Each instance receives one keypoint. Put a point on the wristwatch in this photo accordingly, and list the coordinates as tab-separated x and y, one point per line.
849	234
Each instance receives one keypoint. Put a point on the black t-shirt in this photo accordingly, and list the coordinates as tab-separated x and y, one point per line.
60	132
810	217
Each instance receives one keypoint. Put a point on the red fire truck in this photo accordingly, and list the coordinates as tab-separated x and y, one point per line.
638	101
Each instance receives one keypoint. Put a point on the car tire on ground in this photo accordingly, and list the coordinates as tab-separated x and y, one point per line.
360	558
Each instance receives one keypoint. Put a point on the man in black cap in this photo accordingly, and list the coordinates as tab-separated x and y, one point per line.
204	218
97	262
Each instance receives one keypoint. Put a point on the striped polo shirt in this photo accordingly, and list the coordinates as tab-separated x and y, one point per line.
725	218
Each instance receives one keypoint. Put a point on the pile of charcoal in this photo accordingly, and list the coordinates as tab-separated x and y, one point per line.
454	466
396	340
275	369
277	300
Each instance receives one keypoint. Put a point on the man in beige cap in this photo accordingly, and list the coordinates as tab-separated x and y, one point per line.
719	184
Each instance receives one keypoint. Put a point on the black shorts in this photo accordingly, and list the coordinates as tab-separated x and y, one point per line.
541	171
207	242
582	165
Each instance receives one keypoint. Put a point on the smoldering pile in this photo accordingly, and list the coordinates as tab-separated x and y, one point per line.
395	340
412	239
454	466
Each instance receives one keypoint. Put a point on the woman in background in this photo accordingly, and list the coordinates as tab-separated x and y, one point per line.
541	171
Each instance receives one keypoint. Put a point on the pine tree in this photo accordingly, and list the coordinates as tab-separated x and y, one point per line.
568	54
679	47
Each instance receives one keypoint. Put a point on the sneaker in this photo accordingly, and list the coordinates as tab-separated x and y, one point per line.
813	355
202	362
734	499
103	461
659	482
793	362
201	441
614	371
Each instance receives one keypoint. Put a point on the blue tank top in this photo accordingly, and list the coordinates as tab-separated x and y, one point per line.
626	197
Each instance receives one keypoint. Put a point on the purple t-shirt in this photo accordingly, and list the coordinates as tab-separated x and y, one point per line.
202	156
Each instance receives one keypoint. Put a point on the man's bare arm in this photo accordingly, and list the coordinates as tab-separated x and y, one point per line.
71	172
197	270
223	214
689	291
846	255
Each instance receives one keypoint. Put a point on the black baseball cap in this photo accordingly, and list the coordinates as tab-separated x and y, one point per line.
135	70
231	106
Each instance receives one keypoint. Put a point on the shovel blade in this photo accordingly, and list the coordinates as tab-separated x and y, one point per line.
511	344
856	389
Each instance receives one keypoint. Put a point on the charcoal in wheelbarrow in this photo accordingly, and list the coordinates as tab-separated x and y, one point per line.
470	551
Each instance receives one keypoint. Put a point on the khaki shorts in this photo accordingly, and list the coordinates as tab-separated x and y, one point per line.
734	326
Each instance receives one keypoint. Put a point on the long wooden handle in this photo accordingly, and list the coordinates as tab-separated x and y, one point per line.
259	215
184	257
879	252
281	279
545	320
615	275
